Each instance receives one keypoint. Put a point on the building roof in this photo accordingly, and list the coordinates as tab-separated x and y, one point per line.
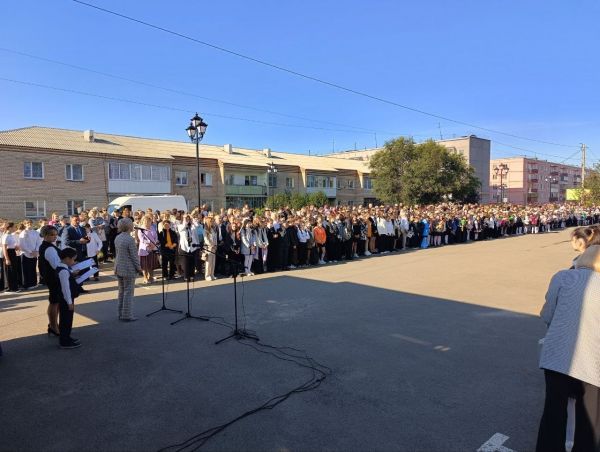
36	137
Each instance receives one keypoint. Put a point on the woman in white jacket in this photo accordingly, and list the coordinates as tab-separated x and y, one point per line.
248	236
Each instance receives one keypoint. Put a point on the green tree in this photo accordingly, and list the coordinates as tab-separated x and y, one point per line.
318	199
388	167
298	200
422	173
591	194
278	200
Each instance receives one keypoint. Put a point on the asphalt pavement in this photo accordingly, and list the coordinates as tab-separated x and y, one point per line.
432	350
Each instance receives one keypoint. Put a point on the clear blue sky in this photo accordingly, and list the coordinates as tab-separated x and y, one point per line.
526	68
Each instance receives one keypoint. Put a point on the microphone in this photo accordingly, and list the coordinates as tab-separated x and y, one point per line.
139	229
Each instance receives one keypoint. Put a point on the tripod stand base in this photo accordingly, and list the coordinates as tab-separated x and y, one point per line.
190	316
239	334
164	308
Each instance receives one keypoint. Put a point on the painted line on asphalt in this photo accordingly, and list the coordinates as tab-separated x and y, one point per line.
495	444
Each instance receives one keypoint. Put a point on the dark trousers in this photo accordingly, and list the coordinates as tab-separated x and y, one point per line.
302	253
168	264
2	286
65	323
12	270
552	432
284	257
104	250
29	271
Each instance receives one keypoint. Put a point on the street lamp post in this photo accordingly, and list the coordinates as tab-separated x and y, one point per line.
271	169
501	170
196	131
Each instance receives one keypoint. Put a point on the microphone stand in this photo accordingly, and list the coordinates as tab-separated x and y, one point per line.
188	315
237	333
159	251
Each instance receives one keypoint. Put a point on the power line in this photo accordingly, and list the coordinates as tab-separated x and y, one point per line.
535	152
167	107
312	78
185	93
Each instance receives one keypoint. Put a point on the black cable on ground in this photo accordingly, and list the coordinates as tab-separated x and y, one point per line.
318	374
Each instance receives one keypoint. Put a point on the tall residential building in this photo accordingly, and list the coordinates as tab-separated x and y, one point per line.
531	181
475	150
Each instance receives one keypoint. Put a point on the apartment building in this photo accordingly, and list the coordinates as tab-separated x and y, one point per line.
523	180
475	150
45	170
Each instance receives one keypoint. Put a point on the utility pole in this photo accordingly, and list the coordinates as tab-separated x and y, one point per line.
583	148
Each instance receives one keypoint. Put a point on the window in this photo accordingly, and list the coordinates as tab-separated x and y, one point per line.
351	183
113	171
251	180
33	170
230	179
368	183
339	184
124	173
74	172
206	179
35	209
181	178
272	179
75	206
320	182
289	182
138	172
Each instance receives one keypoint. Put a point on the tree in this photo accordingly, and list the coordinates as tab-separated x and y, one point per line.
278	200
298	201
591	194
388	166
422	173
317	199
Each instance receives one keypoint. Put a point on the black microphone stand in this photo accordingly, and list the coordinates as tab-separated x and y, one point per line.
188	315
159	251
237	333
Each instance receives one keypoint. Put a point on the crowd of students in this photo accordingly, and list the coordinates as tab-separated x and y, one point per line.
206	244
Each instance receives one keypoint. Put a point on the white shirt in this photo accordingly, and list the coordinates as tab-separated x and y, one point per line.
9	240
51	256
65	285
183	238
29	242
94	245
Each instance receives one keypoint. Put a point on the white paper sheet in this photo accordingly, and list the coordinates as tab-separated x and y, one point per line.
83	264
91	272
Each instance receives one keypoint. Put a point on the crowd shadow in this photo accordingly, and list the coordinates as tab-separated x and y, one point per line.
409	372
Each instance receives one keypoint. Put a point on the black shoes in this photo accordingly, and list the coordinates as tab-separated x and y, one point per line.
71	344
132	319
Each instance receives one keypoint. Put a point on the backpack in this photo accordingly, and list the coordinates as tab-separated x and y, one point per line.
73	286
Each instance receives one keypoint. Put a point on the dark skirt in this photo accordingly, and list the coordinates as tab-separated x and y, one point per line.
148	263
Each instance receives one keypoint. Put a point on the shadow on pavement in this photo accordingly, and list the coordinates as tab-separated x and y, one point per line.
410	372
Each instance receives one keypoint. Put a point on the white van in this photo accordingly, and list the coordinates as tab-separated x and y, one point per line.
161	202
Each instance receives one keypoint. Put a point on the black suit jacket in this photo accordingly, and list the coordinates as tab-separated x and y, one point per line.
71	236
162	240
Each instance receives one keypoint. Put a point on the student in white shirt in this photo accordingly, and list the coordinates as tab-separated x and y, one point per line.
12	265
69	290
29	242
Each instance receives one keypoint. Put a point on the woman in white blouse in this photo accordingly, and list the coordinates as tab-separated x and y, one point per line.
11	260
